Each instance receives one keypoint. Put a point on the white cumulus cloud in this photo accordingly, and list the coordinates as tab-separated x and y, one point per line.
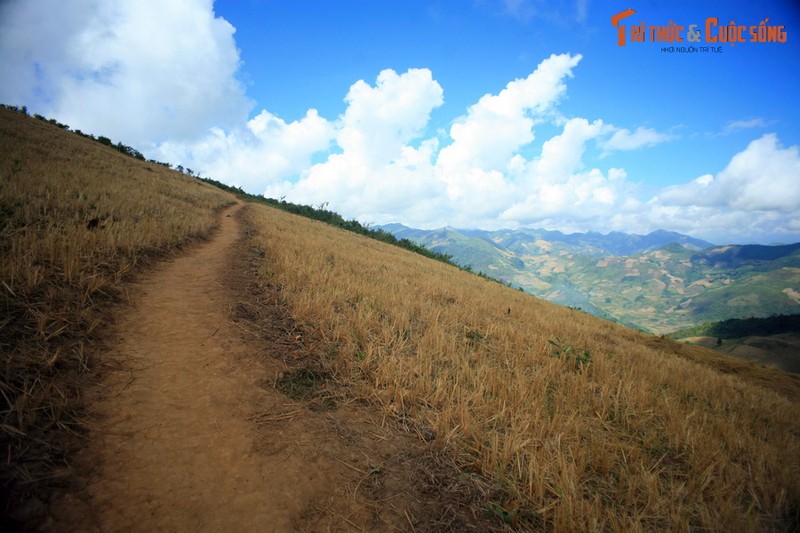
380	120
762	177
265	151
137	70
498	125
755	198
376	171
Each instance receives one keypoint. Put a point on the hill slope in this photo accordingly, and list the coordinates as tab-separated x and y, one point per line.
577	423
587	424
133	393
774	341
77	220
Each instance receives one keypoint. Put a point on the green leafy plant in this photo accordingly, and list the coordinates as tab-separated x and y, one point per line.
563	350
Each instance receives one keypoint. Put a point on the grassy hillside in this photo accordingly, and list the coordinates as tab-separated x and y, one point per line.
778	351
587	425
737	328
773	341
77	219
584	424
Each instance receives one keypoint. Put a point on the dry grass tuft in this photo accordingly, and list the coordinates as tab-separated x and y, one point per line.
586	425
76	220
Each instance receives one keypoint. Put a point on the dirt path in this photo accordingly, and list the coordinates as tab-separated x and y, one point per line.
191	434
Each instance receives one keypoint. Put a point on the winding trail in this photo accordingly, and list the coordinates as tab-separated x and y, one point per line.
175	449
189	432
174	444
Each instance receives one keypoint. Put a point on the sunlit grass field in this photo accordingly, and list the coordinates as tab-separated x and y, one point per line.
76	220
583	424
586	425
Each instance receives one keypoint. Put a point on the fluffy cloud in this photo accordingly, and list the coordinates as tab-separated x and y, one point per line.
555	188
386	172
111	66
476	166
265	151
755	198
377	173
383	169
498	125
35	46
762	177
381	120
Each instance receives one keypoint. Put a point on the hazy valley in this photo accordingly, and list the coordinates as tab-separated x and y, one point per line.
658	282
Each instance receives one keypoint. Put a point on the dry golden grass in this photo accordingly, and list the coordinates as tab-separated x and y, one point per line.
617	432
620	431
55	272
785	383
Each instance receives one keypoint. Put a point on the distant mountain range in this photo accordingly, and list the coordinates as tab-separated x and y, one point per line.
658	282
597	244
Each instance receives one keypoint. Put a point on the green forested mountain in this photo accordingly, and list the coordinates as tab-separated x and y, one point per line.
658	282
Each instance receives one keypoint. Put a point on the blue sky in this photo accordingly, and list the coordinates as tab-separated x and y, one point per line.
474	113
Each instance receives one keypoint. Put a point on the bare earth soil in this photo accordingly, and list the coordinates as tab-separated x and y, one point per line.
190	434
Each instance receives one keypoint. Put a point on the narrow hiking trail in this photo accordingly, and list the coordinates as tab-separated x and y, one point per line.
174	450
190	434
